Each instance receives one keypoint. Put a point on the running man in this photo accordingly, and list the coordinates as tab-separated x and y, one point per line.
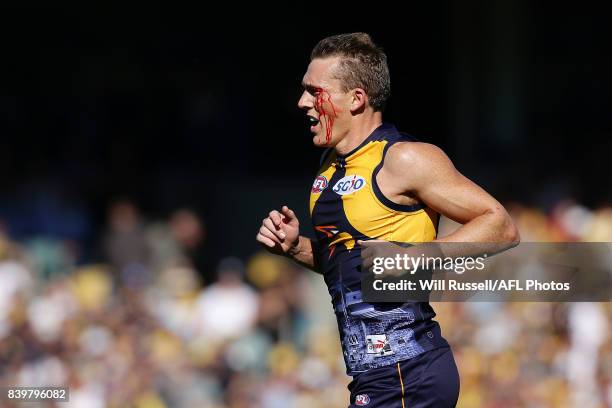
376	183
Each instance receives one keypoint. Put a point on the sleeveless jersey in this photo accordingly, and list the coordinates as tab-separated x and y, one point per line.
347	205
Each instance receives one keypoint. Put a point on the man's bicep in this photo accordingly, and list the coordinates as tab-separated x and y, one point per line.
439	185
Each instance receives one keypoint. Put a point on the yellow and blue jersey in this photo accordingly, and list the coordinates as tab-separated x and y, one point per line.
347	205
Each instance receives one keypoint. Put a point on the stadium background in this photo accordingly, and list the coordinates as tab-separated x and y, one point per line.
142	148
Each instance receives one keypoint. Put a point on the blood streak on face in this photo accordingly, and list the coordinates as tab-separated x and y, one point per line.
327	111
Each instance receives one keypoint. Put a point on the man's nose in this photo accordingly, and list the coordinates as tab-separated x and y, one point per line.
305	101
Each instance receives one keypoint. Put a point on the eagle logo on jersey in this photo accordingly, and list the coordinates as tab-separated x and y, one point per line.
337	237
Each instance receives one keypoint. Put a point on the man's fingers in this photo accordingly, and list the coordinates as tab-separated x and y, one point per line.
270	234
367	252
275	216
370	242
287	212
279	233
265	240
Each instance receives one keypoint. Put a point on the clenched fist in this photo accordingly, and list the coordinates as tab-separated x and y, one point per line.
280	231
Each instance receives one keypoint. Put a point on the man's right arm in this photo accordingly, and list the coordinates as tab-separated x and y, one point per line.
305	253
280	234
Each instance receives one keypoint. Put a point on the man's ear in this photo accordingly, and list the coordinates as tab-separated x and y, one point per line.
359	100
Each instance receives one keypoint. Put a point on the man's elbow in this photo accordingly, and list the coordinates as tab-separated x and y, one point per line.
512	235
509	232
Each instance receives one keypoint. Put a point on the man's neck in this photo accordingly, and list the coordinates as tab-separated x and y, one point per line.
358	133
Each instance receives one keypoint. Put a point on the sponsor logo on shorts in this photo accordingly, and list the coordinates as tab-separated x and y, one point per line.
319	184
378	344
349	184
362	399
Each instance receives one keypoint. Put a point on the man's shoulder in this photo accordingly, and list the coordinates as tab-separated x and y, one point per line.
411	156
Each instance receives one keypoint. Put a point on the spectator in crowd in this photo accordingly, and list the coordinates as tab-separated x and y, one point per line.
125	243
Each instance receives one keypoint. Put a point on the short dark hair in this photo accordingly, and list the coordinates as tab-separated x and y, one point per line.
363	65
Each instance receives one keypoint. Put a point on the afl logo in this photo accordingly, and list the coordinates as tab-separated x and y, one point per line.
349	184
362	399
319	184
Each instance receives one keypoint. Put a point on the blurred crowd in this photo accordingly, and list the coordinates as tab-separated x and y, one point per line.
153	326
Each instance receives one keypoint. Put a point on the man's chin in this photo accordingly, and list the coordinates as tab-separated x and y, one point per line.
319	141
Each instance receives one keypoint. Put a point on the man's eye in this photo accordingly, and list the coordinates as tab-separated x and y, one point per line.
315	91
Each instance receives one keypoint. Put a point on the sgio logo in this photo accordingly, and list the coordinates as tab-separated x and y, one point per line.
349	184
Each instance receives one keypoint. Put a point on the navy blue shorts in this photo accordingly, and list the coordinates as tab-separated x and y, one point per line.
428	380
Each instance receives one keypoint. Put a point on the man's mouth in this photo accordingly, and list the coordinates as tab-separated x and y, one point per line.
312	121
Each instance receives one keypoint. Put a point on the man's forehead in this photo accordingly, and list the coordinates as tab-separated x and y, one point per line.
320	71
